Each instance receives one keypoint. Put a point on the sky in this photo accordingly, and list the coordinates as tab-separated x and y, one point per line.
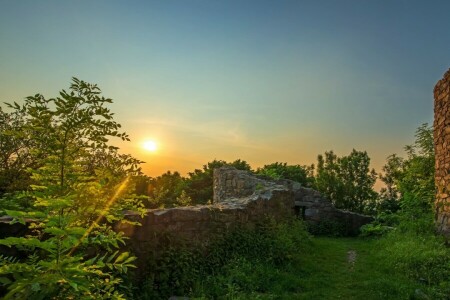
262	81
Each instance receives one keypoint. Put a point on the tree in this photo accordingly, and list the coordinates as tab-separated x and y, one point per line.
81	186
410	180
164	190
277	170
389	195
199	184
347	181
15	154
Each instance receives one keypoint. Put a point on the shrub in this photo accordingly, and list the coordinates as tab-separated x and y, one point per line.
374	230
239	261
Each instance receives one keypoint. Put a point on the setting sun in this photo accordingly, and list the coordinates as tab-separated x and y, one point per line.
150	146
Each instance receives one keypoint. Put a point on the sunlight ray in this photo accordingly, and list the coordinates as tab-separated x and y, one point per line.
111	201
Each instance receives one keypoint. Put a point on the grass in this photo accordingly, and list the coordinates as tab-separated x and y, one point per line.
324	273
284	262
328	275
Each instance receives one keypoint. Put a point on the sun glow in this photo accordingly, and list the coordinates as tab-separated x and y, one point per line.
150	146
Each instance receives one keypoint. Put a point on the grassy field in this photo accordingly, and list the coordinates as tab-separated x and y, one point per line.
326	273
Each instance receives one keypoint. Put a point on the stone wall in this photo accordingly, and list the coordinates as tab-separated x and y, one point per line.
197	225
230	183
240	199
442	152
311	205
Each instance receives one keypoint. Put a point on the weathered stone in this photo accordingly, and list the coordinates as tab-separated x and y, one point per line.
317	207
442	150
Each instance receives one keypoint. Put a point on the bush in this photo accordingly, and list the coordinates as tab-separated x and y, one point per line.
240	261
374	230
414	250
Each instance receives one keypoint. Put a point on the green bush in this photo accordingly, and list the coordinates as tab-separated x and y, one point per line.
419	254
244	260
374	230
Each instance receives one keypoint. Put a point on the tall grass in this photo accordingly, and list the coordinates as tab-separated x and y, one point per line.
420	255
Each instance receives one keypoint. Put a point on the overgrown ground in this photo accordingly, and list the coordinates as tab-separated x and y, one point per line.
326	272
284	262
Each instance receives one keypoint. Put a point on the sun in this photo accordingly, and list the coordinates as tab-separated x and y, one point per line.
150	146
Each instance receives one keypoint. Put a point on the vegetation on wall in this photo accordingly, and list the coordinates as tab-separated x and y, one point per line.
277	170
245	260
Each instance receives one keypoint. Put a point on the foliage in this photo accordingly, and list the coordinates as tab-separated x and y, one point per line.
141	184
347	180
233	261
199	184
389	195
412	248
423	258
277	170
81	186
374	229
410	181
15	154
184	199
164	190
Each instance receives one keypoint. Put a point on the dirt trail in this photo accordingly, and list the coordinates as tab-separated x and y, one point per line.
351	258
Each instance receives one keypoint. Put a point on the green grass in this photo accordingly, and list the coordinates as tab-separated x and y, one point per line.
284	262
324	273
328	275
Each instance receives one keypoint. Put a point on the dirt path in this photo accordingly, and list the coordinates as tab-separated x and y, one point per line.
351	258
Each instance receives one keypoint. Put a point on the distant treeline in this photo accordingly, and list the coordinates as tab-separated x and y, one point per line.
348	180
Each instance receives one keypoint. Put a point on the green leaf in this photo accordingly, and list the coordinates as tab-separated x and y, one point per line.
121	257
35	287
5	280
73	285
55	231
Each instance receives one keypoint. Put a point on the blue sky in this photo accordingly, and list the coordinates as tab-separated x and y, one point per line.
263	81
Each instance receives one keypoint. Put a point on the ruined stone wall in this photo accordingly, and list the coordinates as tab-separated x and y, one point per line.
310	204
442	152
230	183
197	225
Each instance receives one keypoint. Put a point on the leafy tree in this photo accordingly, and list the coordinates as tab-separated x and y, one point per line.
347	181
164	190
15	152
199	184
410	181
277	170
81	186
389	195
142	183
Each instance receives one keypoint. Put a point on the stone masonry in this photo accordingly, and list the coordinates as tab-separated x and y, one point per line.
197	225
240	199
311	205
442	153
